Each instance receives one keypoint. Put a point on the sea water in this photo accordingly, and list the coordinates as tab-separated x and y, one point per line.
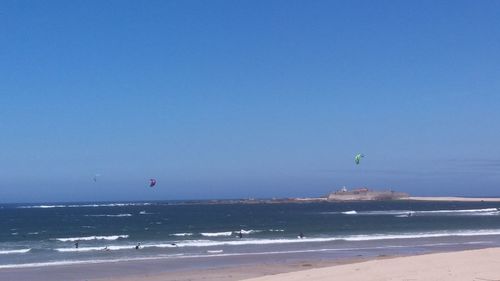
45	234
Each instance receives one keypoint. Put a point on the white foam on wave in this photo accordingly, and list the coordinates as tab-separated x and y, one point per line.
112	216
402	213
218	253
488	210
215	234
403	216
75	262
250	231
230	233
371	237
83	205
41	207
92	249
212	243
182	234
20	251
215	251
88	238
145	213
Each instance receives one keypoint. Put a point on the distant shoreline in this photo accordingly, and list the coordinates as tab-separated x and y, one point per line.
249	201
452	199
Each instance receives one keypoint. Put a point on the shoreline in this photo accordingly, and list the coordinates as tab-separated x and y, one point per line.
271	269
469	265
452	199
252	201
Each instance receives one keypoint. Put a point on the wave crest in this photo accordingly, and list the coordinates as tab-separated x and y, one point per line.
88	238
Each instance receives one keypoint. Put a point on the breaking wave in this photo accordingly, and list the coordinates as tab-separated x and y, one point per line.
116	216
215	234
88	238
249	231
182	234
213	253
83	205
401	213
20	251
240	242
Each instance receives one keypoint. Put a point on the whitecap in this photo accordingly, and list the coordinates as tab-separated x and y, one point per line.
182	234
88	238
215	251
84	205
248	231
115	216
20	251
215	234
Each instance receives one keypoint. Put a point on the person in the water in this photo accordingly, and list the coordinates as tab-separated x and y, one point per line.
76	244
138	246
301	235
240	235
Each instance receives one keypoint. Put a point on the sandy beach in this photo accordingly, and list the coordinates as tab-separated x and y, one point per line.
470	265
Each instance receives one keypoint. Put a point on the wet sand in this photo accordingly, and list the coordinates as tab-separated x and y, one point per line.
160	270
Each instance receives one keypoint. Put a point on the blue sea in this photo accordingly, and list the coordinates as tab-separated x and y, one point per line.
33	235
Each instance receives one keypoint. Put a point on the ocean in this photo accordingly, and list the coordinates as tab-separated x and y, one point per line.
33	235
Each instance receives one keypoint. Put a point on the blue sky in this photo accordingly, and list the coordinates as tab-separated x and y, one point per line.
225	99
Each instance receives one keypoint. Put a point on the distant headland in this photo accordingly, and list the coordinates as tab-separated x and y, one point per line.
346	195
365	194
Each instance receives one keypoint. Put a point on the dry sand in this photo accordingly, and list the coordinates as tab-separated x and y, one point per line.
473	265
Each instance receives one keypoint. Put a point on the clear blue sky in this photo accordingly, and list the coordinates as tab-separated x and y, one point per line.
224	99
